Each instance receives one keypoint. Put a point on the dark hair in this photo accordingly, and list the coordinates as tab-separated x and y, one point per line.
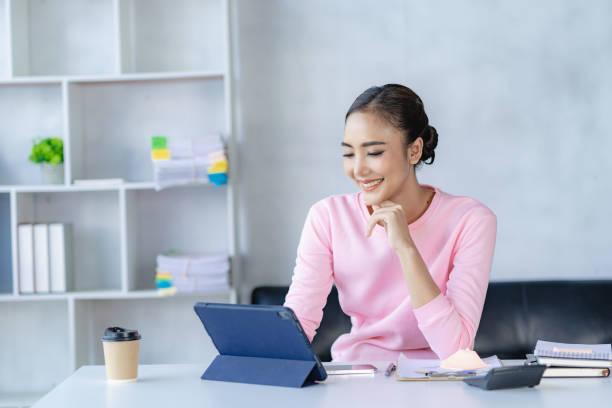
404	110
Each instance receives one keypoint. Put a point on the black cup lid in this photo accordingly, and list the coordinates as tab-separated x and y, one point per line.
120	334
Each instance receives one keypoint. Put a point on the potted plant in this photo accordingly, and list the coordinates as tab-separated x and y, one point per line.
49	152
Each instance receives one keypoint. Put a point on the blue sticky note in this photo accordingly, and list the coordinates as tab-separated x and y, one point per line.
218	178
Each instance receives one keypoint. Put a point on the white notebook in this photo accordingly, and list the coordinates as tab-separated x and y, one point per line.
25	236
60	257
41	258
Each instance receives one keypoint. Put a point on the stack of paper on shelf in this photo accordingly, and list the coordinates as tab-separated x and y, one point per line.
192	273
572	360
44	256
181	161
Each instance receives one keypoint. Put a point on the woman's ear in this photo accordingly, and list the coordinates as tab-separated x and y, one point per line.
415	151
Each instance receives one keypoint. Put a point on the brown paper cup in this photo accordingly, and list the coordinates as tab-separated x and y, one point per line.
121	359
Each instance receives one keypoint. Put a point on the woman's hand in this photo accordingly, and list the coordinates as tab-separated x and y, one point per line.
391	216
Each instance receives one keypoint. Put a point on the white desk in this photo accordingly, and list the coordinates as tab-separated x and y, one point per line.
180	386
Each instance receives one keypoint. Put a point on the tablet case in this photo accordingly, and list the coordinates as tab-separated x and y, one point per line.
258	344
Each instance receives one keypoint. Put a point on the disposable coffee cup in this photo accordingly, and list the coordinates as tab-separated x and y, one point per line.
121	353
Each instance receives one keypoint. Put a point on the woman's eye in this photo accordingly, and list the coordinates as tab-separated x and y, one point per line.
347	155
376	153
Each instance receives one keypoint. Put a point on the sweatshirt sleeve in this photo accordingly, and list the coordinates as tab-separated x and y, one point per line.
313	273
449	321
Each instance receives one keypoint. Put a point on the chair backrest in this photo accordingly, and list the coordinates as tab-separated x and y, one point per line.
515	315
334	322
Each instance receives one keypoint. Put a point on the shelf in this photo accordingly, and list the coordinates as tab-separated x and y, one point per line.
35	111
143	77
158	35
169	216
95	231
63	37
105	76
16	81
34	351
111	125
4	51
110	78
68	188
113	294
6	257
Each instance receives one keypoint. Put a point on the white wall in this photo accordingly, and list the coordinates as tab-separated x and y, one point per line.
520	92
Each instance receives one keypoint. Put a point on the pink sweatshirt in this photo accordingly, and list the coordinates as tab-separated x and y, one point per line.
455	237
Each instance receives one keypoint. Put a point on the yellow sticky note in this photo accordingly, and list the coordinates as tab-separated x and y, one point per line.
218	167
160	154
167	291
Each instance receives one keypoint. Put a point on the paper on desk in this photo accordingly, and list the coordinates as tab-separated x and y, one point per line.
410	369
463	360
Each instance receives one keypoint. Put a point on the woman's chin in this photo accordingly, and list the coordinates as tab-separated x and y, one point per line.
371	199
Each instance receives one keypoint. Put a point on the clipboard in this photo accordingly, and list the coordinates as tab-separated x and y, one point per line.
415	370
259	344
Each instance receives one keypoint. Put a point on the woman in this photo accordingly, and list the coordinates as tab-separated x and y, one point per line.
411	262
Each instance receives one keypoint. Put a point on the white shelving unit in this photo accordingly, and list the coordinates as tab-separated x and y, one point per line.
105	76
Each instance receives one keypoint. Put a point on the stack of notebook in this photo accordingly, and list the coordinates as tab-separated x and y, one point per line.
193	273
572	360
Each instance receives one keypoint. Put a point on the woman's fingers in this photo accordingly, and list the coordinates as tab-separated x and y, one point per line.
376	218
387	214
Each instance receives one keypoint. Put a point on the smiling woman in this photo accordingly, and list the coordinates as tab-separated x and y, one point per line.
411	262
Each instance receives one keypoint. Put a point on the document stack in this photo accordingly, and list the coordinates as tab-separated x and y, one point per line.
572	360
45	258
191	273
182	161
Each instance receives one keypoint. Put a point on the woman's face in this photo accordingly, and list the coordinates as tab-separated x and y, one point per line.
375	157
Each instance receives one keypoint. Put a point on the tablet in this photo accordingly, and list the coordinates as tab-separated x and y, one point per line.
260	338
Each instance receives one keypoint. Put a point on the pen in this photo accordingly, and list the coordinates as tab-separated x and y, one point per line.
450	373
390	369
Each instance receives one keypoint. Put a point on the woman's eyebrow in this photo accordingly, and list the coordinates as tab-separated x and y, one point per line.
366	144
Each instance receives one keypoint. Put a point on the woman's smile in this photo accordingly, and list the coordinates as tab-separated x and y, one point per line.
370	185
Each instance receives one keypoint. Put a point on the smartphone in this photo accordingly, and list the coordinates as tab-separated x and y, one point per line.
335	369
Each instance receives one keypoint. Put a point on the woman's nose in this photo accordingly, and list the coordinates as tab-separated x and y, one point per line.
361	169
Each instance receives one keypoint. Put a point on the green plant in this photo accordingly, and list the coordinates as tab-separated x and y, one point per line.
48	150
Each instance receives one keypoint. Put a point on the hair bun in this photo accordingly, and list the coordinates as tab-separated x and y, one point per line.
430	141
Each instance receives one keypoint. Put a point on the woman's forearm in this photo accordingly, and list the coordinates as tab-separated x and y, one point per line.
421	286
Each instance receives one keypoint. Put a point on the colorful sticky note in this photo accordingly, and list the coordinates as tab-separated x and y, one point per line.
163	275
159	142
218	167
218	178
160	154
164	284
167	291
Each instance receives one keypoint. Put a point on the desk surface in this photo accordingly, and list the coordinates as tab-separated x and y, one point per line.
180	385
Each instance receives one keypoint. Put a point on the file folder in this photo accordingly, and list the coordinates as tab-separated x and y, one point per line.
259	344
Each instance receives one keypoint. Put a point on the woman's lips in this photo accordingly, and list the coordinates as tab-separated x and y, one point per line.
371	185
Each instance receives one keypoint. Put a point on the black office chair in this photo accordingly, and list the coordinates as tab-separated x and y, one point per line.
334	322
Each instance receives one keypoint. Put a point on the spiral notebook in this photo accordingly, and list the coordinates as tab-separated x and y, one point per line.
573	355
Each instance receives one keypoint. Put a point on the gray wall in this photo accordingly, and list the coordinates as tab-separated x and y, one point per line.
520	93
